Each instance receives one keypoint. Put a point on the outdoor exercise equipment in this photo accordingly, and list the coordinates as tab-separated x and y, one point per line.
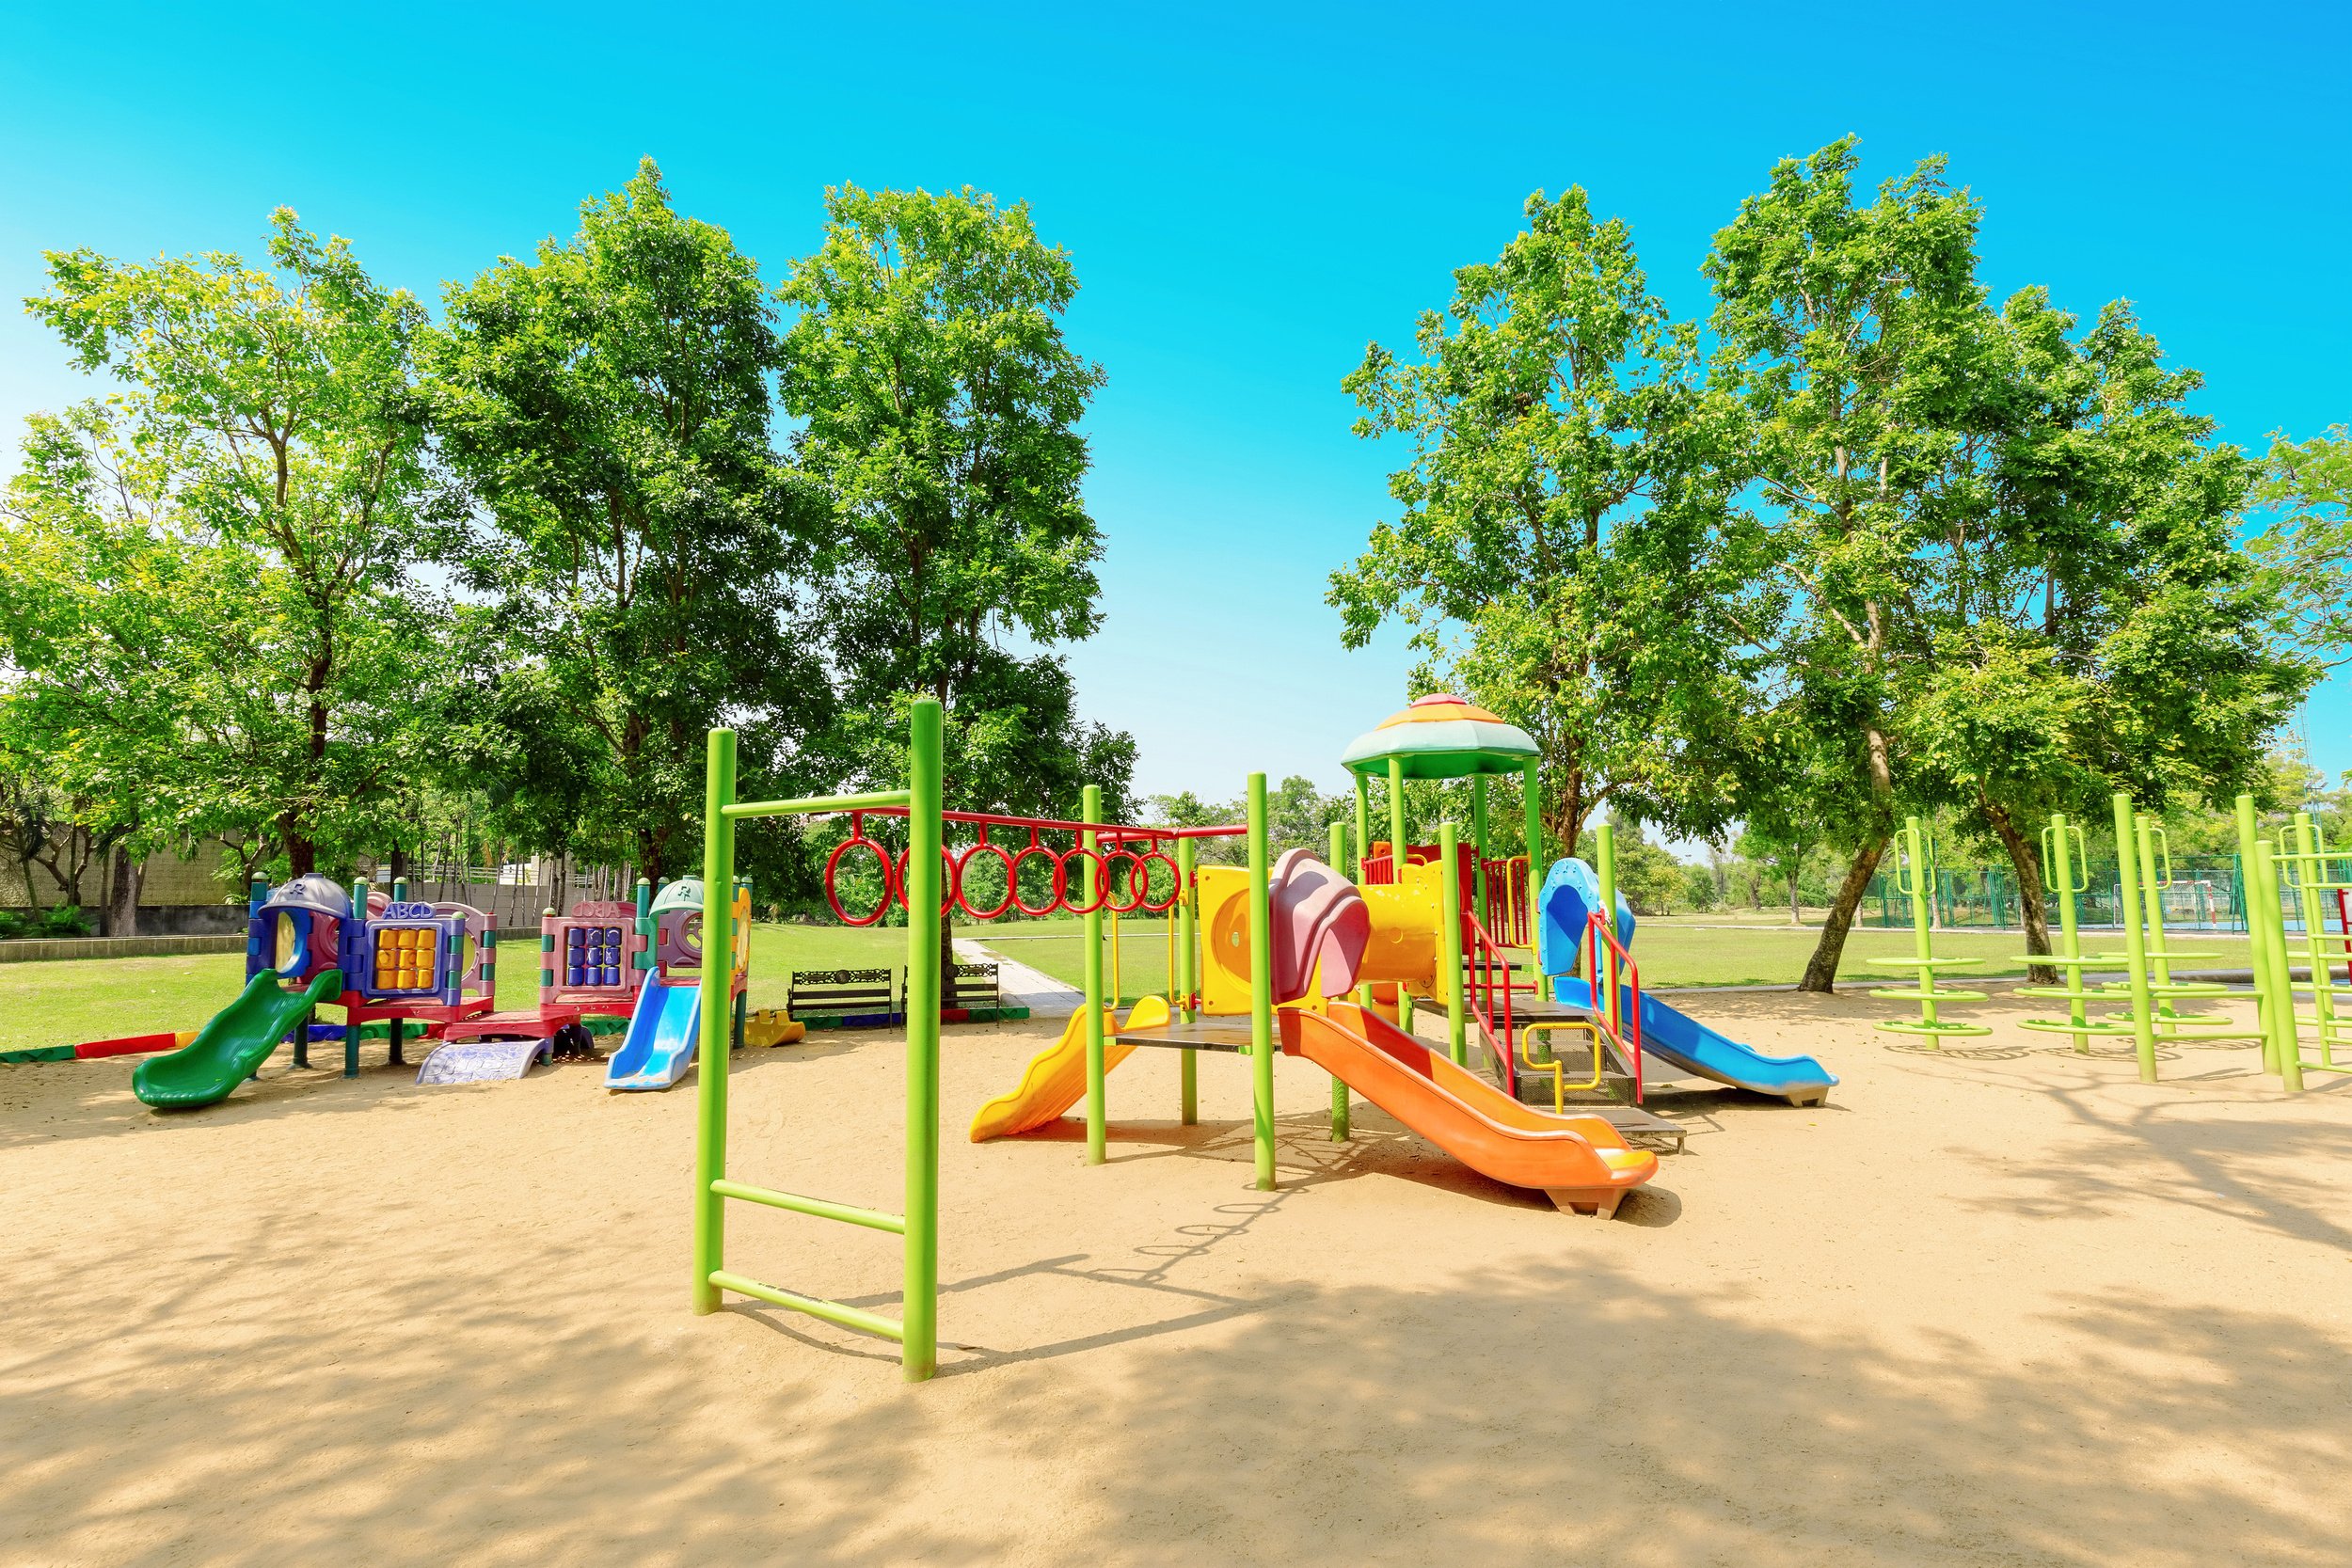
2153	853
2065	873
1914	874
2302	864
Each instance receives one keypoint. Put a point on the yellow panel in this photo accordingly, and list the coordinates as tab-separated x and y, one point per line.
287	944
1224	892
1405	929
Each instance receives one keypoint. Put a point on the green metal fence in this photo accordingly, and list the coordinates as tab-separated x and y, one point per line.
2203	894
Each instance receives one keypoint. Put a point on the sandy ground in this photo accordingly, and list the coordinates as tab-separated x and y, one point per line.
2005	1307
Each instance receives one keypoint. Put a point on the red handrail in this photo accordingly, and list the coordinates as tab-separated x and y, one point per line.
1486	958
1596	933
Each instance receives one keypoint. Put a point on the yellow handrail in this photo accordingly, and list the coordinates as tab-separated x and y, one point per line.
1551	1063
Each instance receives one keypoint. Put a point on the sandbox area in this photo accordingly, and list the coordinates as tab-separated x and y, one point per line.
2001	1306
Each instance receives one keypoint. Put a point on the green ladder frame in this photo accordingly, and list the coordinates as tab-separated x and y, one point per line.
2303	871
2166	1019
1914	874
917	1330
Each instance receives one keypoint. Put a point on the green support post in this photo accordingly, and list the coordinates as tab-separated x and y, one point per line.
1339	1090
2067	875
1450	945
919	1343
1478	847
1188	917
1261	988
1098	1121
546	949
1396	819
397	1029
2270	1006
1532	791
1363	850
2135	941
711	1076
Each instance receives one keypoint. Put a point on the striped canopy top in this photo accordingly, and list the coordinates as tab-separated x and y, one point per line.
1441	736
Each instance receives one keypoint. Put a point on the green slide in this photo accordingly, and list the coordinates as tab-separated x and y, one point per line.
239	1038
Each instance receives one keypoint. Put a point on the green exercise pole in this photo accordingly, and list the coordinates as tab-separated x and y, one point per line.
711	1076
2135	939
1187	905
919	1354
1338	1089
2268	1006
1450	946
1261	988
2152	886
2282	976
1098	1125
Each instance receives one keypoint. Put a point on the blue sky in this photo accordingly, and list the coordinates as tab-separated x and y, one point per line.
1249	195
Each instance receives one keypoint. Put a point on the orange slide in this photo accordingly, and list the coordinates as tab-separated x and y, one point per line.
1582	1162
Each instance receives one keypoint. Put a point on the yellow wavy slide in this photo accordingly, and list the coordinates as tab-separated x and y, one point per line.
1057	1076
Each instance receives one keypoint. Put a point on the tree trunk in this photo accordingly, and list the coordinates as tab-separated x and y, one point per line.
1796	909
121	918
2029	890
400	863
1821	970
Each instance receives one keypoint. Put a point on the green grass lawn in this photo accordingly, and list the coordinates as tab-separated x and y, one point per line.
1669	953
64	1004
61	1003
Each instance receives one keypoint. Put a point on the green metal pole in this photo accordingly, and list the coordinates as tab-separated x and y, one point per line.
1450	946
2310	869
1396	819
1923	890
2063	872
2268	1006
1188	1062
1338	1089
1531	790
919	1354
2282	976
1261	988
710	1078
1098	1124
1478	846
2135	942
1363	824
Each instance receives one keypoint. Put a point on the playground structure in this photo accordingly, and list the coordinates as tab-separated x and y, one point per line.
1287	955
665	1024
380	958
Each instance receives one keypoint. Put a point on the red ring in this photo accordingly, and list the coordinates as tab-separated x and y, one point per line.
1053	899
963	865
948	884
1176	876
889	873
1100	877
1136	885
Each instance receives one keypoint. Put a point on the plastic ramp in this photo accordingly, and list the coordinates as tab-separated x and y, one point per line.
483	1061
1056	1078
239	1038
663	1033
1581	1163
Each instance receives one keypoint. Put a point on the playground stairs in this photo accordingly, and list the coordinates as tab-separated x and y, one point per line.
1612	1101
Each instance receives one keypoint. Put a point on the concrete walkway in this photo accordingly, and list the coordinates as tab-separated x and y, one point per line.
1019	986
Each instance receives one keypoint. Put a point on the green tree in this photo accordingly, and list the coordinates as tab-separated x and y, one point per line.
2307	544
1557	549
266	456
607	403
939	407
1847	335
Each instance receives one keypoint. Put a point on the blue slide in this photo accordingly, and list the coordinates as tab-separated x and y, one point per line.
662	1036
1571	893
